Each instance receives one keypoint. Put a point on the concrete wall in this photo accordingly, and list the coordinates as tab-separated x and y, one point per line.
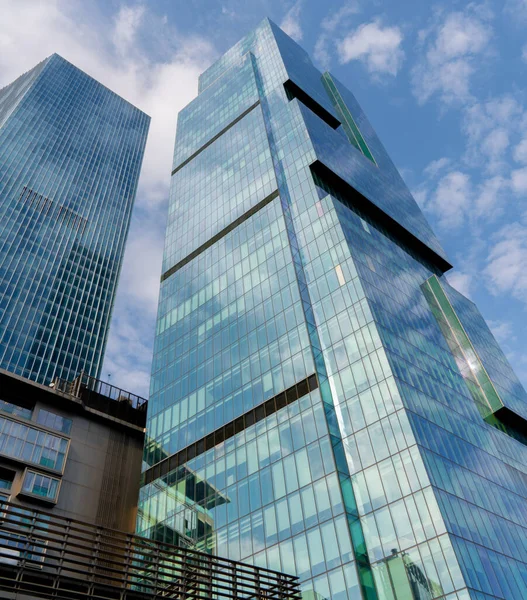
100	482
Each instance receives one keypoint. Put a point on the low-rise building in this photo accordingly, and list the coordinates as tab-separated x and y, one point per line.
73	449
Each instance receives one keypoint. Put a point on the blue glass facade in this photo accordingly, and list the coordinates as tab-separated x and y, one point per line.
322	401
70	156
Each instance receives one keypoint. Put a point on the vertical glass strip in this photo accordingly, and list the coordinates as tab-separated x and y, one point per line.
472	369
348	123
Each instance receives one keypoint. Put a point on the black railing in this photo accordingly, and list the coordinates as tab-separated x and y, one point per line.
48	556
106	398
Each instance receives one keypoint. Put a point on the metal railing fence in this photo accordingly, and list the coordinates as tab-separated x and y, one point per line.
51	556
105	397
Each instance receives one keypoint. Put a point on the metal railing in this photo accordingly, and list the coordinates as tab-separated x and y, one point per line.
105	397
49	556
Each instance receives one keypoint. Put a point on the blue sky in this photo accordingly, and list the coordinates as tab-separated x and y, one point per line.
444	85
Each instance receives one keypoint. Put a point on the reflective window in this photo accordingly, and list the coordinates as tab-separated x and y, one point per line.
62	236
41	485
54	421
32	445
16	411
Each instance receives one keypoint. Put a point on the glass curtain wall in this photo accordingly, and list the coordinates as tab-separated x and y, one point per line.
308	410
70	156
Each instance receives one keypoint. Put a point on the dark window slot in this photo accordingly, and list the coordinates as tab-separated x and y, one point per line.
252	211
330	182
293	91
294	393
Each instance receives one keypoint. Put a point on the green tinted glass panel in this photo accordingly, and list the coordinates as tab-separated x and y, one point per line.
350	127
476	376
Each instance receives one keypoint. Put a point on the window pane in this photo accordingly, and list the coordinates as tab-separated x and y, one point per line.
40	485
32	445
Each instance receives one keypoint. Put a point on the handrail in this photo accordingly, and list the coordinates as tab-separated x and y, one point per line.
104	397
86	382
51	556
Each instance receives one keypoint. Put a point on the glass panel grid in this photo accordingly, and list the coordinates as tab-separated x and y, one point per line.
384	483
43	486
70	155
32	445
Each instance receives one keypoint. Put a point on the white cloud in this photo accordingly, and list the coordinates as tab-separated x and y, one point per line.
451	199
488	127
524	53
129	349
520	151
110	51
378	47
142	265
491	131
128	354
436	166
420	195
321	52
481	116
505	269
330	24
450	47
494	145
461	281
517	9
519	180
229	12
291	22
334	20
490	197
502	330
127	23
459	35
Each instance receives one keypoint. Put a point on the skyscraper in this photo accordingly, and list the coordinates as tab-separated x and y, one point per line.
322	401
70	156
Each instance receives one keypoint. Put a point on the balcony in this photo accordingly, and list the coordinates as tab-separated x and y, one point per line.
48	556
104	397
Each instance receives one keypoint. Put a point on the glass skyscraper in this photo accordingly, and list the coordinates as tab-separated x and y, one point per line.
322	401
70	156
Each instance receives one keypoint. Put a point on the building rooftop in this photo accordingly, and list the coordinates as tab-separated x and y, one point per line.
83	393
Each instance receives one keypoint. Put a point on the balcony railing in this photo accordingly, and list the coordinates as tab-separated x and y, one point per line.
106	398
48	556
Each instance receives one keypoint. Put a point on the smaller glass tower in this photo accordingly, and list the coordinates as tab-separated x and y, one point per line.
70	157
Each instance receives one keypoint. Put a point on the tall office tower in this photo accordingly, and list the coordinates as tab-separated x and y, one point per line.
70	156
323	402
